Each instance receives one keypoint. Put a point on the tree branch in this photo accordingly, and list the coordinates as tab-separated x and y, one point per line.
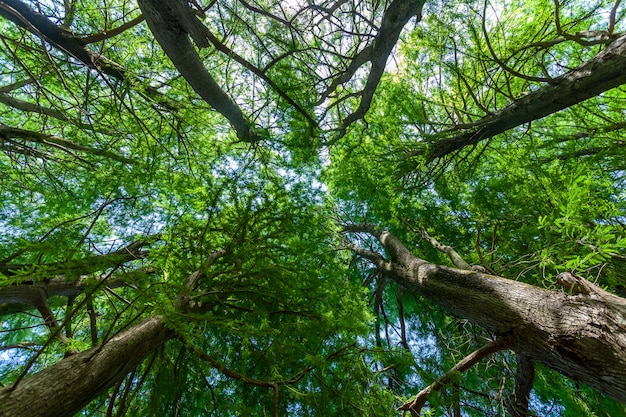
22	15
377	53
454	256
107	34
172	22
8	133
599	74
41	303
105	366
415	406
31	273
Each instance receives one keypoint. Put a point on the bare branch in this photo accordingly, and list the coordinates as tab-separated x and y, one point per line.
8	132
456	259
41	303
24	345
612	15
22	15
220	46
172	23
107	34
377	53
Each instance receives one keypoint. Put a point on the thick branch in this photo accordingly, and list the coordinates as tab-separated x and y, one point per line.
24	296
22	15
581	335
601	73
172	22
51	322
84	266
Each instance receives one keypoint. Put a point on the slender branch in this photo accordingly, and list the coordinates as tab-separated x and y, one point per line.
495	57
24	16
107	34
23	345
238	375
454	256
17	85
395	17
220	46
611	27
415	406
66	146
93	326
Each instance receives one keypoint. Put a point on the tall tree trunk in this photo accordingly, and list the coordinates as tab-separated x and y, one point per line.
65	388
582	336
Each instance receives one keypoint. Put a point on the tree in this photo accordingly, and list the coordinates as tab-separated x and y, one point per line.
312	208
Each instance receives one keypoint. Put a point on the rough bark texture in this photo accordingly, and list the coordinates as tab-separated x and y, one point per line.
65	388
172	22
582	336
605	71
16	297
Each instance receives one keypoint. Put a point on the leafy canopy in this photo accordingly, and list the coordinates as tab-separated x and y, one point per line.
98	155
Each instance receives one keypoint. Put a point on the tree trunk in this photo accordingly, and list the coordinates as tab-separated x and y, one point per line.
65	388
582	336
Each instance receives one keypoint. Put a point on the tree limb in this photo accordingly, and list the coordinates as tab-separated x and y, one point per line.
22	15
172	22
395	17
107	34
30	273
415	406
599	74
41	303
9	133
552	327
454	256
105	366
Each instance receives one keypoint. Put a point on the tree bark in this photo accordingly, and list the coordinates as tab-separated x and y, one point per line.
172	23
582	336
24	296
65	388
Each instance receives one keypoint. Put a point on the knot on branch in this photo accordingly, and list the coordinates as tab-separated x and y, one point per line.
575	284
